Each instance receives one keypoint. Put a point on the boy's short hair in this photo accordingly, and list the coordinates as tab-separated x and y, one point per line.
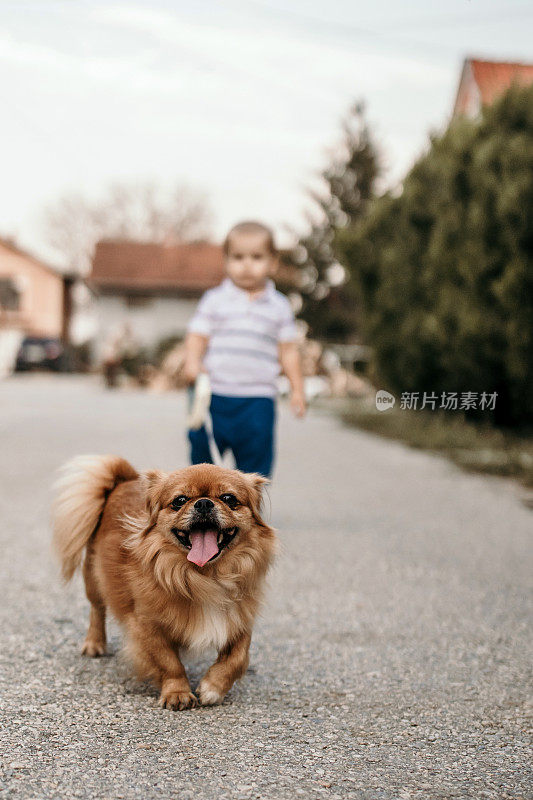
251	226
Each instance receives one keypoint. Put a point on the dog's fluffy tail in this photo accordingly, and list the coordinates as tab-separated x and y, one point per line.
81	494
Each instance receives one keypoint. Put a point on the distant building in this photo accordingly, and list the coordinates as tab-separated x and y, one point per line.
482	82
34	297
153	288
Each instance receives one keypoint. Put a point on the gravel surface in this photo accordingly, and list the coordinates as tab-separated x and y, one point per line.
392	659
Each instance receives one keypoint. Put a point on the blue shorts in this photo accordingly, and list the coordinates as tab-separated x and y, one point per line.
244	425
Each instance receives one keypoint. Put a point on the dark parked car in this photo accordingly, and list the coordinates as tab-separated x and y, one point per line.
39	353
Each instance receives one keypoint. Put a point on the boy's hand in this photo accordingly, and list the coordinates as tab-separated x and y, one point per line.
191	370
298	404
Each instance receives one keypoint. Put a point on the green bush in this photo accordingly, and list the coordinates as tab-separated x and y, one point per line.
444	272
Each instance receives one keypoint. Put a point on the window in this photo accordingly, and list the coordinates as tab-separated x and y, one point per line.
138	300
9	295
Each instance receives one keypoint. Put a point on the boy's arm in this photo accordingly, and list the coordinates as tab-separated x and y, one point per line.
195	347
197	339
290	361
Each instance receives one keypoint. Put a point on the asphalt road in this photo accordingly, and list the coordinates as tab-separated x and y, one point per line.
392	660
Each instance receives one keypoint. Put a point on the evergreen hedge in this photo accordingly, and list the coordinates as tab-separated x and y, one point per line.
444	272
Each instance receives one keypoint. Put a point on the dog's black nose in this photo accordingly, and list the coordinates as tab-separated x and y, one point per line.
204	505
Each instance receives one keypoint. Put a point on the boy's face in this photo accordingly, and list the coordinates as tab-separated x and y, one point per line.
249	260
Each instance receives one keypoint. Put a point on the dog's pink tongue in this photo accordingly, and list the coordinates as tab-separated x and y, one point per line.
203	547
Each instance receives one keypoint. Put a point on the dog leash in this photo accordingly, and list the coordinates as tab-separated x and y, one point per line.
200	415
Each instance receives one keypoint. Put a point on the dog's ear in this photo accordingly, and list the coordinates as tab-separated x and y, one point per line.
256	483
154	481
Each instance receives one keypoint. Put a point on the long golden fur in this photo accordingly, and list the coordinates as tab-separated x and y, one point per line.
146	538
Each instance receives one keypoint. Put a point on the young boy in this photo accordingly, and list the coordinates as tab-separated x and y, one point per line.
241	333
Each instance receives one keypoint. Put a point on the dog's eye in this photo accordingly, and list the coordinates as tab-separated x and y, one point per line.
179	501
229	499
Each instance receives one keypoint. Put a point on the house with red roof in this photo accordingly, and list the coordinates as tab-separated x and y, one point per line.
152	288
482	82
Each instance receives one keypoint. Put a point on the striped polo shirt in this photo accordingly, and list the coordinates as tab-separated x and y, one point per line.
242	356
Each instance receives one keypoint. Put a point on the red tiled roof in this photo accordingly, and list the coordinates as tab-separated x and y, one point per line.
142	266
495	77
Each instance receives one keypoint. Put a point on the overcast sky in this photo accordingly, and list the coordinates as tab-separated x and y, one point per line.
241	98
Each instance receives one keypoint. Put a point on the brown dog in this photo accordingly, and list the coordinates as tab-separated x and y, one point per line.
178	558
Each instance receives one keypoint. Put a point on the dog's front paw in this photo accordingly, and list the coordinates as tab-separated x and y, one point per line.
177	701
93	648
209	694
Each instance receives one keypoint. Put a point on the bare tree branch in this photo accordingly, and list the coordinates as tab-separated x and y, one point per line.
138	212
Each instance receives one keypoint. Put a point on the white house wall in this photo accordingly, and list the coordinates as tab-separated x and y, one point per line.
159	318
